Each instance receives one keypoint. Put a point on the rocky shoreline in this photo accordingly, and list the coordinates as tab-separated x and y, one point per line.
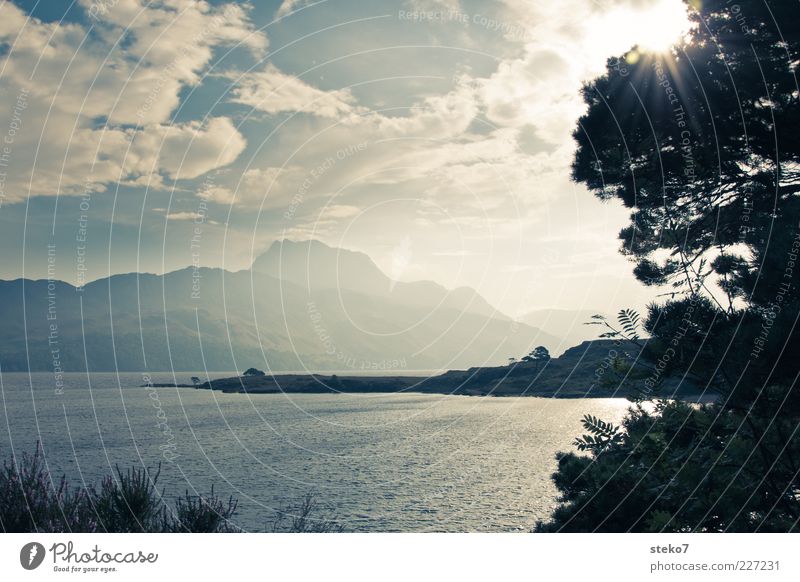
584	371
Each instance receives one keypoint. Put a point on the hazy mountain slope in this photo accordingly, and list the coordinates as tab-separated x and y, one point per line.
221	320
315	266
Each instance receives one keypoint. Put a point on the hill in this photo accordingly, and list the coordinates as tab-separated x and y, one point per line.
584	371
564	323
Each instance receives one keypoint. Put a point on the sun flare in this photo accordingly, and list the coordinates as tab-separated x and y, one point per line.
661	26
653	29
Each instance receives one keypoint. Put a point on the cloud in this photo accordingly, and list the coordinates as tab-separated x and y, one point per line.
273	91
99	100
191	149
189	216
256	188
352	144
467	149
540	89
428	5
571	42
289	6
437	116
197	216
458	253
214	193
341	211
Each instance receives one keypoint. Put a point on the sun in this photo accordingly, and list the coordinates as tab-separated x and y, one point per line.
654	28
660	27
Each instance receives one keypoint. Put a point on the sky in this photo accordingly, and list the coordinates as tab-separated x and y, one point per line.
433	135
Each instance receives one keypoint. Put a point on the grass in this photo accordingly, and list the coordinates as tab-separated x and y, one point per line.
31	500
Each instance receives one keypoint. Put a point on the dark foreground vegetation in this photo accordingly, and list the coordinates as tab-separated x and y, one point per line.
702	145
32	500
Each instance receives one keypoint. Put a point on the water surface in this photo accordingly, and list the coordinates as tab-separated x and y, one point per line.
385	462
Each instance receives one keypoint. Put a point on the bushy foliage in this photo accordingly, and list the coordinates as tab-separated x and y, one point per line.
601	435
127	501
702	145
31	500
683	468
301	518
201	514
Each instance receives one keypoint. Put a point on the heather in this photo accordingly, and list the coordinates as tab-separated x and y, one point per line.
33	500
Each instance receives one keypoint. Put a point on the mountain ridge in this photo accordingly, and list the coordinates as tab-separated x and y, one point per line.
238	319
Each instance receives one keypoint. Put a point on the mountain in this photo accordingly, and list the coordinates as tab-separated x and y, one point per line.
315	266
564	323
302	306
312	264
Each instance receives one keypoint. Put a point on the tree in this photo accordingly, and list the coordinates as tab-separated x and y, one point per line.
253	372
540	355
701	144
680	468
537	359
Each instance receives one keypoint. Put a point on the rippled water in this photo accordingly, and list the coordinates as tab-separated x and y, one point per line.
399	462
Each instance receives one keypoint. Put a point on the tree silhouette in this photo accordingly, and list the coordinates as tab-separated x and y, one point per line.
702	145
540	354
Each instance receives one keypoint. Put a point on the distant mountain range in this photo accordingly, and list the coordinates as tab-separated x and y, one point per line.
302	306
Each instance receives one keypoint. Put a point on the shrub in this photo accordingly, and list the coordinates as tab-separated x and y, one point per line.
681	468
299	519
32	501
129	501
200	514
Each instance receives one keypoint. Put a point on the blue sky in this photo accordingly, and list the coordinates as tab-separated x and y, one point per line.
433	135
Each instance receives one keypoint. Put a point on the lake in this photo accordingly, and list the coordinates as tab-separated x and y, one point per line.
375	462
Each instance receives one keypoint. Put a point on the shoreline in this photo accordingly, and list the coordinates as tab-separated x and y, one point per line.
583	371
454	383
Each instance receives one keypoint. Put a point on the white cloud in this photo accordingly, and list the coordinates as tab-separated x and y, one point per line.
438	116
540	89
98	105
458	253
188	216
190	150
289	6
571	42
196	216
256	188
428	5
341	211
359	146
218	194
273	91
442	147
